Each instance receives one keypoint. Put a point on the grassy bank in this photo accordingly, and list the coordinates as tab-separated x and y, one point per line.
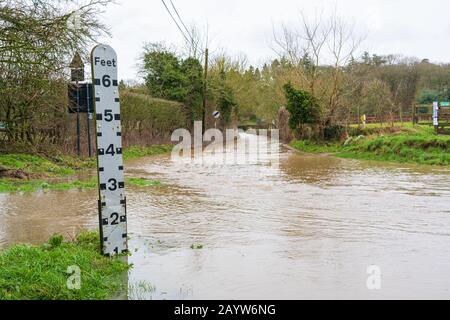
28	173
41	272
139	152
400	144
15	185
42	166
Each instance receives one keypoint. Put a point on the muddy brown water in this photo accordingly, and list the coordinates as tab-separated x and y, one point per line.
309	229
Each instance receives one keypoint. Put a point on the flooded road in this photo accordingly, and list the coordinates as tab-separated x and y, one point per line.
308	229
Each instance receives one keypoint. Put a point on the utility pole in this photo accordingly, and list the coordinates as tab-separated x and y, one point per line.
77	75
78	119
205	87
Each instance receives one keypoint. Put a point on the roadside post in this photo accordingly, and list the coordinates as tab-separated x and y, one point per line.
80	102
216	115
77	75
112	200
363	121
436	116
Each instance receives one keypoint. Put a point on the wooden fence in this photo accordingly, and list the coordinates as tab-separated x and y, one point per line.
383	119
423	115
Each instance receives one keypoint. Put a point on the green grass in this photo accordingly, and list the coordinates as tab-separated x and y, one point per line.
63	165
408	145
196	246
15	185
314	147
39	165
139	152
140	182
40	168
41	272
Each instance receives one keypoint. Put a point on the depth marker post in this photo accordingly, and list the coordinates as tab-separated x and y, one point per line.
436	116
112	199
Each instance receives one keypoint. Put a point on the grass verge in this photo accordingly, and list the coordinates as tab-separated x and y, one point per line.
15	185
406	145
41	272
40	166
29	173
139	152
141	182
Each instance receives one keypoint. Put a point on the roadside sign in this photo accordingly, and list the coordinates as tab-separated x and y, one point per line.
435	114
216	114
445	104
76	75
81	97
77	69
112	200
77	62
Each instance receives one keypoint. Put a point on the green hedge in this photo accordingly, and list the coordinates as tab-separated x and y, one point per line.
147	117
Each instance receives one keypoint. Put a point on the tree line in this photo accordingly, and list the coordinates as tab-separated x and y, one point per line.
317	84
37	40
318	78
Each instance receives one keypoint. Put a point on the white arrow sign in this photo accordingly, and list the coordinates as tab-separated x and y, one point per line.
435	114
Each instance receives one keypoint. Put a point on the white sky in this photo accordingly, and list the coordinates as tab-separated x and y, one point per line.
409	27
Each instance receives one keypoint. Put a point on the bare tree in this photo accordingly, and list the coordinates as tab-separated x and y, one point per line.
342	45
319	50
37	40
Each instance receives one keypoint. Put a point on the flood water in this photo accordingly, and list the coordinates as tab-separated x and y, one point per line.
307	230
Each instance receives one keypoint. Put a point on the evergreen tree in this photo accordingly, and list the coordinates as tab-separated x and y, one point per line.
164	75
302	106
172	78
193	73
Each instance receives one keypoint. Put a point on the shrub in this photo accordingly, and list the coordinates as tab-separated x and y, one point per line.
148	120
56	240
333	132
302	107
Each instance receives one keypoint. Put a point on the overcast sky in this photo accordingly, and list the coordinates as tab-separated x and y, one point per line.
408	27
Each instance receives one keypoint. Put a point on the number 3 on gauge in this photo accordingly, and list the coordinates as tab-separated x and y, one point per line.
113	183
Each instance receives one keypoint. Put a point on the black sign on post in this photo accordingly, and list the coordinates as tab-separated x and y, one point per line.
77	75
81	98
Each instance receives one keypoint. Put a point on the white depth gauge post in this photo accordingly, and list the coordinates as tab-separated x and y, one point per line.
112	200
